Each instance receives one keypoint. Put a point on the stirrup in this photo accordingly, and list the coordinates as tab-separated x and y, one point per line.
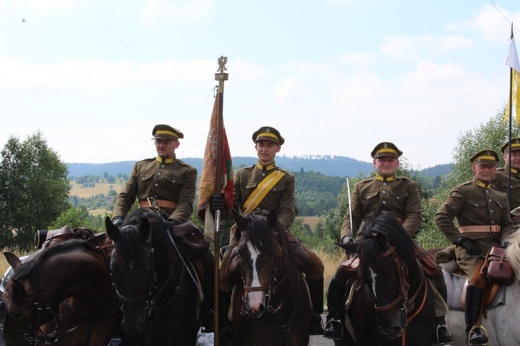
473	329
448	339
333	329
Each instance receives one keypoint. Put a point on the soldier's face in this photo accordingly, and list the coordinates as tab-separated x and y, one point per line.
166	147
484	171
266	151
515	158
386	165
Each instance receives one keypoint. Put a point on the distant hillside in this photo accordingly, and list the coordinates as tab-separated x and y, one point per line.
335	166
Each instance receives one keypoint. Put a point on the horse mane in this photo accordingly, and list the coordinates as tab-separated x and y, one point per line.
261	234
26	268
513	252
387	226
130	237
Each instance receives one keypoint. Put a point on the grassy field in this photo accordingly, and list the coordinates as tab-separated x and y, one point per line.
99	188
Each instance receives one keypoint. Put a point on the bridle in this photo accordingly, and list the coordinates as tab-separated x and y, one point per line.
278	279
407	302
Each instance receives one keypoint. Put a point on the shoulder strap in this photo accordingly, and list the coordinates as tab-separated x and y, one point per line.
261	191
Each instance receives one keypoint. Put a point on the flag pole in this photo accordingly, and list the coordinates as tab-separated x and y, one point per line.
221	77
510	126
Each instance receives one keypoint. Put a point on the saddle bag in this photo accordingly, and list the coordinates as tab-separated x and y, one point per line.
430	267
497	268
190	239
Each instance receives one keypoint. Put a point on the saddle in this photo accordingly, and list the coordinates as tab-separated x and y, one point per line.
44	238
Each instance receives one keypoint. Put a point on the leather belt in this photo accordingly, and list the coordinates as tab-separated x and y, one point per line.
160	202
480	229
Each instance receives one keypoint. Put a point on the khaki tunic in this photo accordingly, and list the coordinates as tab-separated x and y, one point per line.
174	182
400	197
500	181
280	197
473	205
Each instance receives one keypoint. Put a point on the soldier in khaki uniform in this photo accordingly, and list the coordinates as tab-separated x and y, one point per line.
482	214
394	195
280	197
501	179
168	183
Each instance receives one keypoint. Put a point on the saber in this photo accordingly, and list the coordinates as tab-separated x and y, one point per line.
349	206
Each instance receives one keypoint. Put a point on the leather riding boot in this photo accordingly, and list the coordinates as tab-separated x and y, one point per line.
442	333
335	303
476	335
225	330
316	292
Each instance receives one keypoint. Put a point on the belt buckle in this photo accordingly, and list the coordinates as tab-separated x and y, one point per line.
152	202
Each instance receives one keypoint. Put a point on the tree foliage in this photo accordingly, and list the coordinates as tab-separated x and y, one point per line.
33	189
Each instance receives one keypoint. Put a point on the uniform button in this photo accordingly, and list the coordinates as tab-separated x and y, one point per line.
384	202
274	188
173	181
491	211
156	184
384	184
159	173
263	174
384	191
397	197
162	166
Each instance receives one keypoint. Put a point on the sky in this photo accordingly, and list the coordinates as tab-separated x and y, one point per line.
335	77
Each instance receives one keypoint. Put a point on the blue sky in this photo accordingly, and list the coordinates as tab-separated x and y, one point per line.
336	77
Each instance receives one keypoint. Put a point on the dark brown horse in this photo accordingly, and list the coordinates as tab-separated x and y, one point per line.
393	303
156	286
271	304
61	296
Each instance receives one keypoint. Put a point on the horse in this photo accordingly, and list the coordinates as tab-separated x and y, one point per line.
271	304
61	296
502	313
391	302
157	288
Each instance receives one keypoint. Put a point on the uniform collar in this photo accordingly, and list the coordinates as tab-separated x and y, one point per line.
168	160
483	185
381	178
265	168
514	170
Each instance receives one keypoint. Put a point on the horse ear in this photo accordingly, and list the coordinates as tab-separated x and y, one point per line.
112	230
239	219
349	247
12	259
272	218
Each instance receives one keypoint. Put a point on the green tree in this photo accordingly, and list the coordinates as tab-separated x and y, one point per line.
79	217
33	189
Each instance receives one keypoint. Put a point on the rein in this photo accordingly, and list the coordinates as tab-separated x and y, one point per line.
408	304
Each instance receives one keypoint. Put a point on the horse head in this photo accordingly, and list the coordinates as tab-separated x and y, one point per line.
263	252
389	268
131	265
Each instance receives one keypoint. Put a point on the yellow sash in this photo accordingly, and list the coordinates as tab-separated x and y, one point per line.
261	191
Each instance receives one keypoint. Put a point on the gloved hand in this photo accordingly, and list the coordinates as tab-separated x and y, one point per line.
468	245
118	221
347	239
217	203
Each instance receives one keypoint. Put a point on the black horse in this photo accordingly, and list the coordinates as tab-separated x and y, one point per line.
271	304
393	303
157	287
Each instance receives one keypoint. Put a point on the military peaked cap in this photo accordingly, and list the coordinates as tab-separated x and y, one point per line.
162	131
267	133
515	144
485	156
386	149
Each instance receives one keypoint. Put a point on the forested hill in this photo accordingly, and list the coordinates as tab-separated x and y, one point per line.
336	166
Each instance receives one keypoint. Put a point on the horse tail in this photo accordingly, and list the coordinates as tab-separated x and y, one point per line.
513	252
